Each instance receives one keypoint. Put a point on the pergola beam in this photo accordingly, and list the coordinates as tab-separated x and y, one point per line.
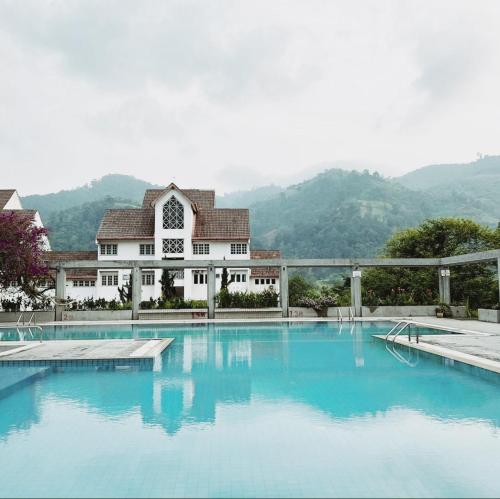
295	263
284	264
480	257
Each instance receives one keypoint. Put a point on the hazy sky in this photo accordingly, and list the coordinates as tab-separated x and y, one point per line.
237	94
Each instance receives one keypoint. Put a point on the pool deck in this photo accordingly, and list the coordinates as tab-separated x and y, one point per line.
83	352
478	343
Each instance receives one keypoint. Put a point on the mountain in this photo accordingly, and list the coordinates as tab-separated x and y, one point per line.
481	171
336	213
113	186
243	199
75	228
473	188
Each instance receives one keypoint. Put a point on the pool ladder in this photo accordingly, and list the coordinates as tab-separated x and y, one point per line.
29	326
391	347
398	329
340	317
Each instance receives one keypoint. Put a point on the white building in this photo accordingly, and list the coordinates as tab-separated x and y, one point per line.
174	224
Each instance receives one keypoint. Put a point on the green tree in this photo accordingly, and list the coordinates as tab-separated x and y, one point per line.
167	285
125	292
298	288
436	238
225	281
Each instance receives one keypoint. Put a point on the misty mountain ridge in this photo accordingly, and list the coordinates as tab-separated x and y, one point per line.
336	212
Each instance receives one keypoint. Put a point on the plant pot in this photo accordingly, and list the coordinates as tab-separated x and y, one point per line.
439	315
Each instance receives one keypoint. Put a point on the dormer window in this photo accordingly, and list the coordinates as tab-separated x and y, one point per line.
173	214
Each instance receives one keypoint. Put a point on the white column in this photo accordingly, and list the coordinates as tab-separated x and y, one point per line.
136	291
60	292
284	290
211	291
356	292
444	286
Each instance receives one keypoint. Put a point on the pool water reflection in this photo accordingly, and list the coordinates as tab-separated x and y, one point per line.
303	409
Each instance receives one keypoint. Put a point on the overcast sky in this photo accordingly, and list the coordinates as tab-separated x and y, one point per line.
234	94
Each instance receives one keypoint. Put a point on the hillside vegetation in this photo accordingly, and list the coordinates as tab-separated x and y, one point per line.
110	186
335	213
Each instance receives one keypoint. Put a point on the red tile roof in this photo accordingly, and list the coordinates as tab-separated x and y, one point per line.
265	271
210	223
130	223
66	256
203	199
5	195
82	274
223	224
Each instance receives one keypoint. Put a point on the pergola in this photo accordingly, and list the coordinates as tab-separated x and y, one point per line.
284	264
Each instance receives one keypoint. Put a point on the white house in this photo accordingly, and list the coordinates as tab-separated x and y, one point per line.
175	224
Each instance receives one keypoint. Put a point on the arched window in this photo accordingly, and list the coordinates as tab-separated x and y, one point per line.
173	214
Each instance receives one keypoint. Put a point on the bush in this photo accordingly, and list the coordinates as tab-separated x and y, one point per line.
319	300
18	304
265	299
97	304
445	309
298	288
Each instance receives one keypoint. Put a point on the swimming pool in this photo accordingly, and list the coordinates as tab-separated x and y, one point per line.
268	410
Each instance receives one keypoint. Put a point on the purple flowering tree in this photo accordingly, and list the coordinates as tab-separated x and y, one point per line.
21	252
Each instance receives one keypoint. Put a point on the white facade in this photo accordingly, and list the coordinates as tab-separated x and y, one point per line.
174	241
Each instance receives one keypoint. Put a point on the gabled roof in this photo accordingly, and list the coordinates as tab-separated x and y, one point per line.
202	199
5	195
226	224
66	256
264	255
129	223
81	274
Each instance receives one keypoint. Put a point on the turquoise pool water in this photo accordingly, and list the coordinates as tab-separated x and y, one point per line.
274	410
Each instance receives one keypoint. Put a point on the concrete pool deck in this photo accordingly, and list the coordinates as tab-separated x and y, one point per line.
84	352
477	344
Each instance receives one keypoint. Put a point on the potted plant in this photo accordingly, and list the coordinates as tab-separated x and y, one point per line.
443	310
319	304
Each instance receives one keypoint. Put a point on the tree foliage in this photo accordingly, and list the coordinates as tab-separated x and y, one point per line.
167	285
476	284
21	252
225	280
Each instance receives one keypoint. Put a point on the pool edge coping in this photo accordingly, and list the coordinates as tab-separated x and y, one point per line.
447	353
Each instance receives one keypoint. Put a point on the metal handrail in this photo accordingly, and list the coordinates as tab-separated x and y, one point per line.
19	319
400	331
339	314
393	329
351	314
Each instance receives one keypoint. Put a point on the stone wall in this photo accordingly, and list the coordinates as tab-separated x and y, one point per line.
96	315
40	316
309	312
488	315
